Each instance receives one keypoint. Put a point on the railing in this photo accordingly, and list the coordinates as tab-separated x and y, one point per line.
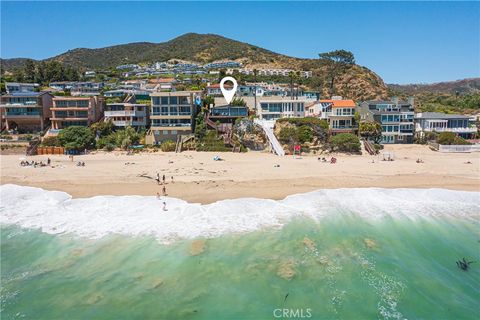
464	129
125	113
276	146
352	127
171	113
459	148
30	114
171	125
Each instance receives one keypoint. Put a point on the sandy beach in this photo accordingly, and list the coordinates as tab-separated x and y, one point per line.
198	178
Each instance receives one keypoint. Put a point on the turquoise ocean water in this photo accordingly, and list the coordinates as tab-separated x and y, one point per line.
340	265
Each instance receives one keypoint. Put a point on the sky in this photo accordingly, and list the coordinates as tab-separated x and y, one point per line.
403	42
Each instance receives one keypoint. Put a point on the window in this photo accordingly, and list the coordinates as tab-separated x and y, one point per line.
173	100
164	100
183	100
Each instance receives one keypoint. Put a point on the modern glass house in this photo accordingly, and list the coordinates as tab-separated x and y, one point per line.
171	114
396	118
441	122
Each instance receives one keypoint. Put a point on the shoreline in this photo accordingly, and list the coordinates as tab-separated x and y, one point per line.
200	179
239	190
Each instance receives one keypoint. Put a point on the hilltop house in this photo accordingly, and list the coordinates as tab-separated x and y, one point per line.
15	87
396	118
25	111
441	122
171	114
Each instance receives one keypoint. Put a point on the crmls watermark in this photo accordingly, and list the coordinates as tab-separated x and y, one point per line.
292	313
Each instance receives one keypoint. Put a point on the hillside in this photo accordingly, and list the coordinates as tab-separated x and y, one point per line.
200	48
463	86
357	82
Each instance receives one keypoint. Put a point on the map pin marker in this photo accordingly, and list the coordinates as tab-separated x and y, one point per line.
228	94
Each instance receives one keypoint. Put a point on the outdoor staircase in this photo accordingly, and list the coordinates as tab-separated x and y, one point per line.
267	128
369	147
181	139
33	146
224	128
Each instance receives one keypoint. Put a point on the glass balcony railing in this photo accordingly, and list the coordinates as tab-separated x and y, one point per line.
10	113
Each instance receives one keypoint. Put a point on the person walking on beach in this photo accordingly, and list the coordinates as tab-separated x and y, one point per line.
158	196
172	179
165	206
163	179
49	161
158	178
164	191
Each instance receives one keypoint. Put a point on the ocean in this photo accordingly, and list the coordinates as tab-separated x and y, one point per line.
329	254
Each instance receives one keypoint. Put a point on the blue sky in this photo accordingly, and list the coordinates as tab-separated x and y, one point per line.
404	42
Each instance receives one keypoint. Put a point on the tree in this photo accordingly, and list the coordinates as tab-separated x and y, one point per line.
370	131
51	141
238	102
103	128
345	142
128	137
337	62
29	70
77	138
208	100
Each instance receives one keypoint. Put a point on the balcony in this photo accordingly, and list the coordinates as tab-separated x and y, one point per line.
69	108
125	113
351	127
129	123
455	130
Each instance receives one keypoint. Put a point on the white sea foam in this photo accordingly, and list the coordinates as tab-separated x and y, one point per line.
56	212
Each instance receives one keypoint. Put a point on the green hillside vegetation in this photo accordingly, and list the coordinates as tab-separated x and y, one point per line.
468	103
350	80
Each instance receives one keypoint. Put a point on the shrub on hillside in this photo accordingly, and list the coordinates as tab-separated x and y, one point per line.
345	142
450	138
168	146
305	121
51	142
304	134
211	142
288	135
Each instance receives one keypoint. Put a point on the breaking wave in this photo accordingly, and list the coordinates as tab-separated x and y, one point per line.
56	212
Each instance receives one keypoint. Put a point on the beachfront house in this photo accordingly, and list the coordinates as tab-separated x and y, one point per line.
227	113
172	114
25	111
125	114
396	118
437	122
341	119
15	87
339	113
75	111
273	109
